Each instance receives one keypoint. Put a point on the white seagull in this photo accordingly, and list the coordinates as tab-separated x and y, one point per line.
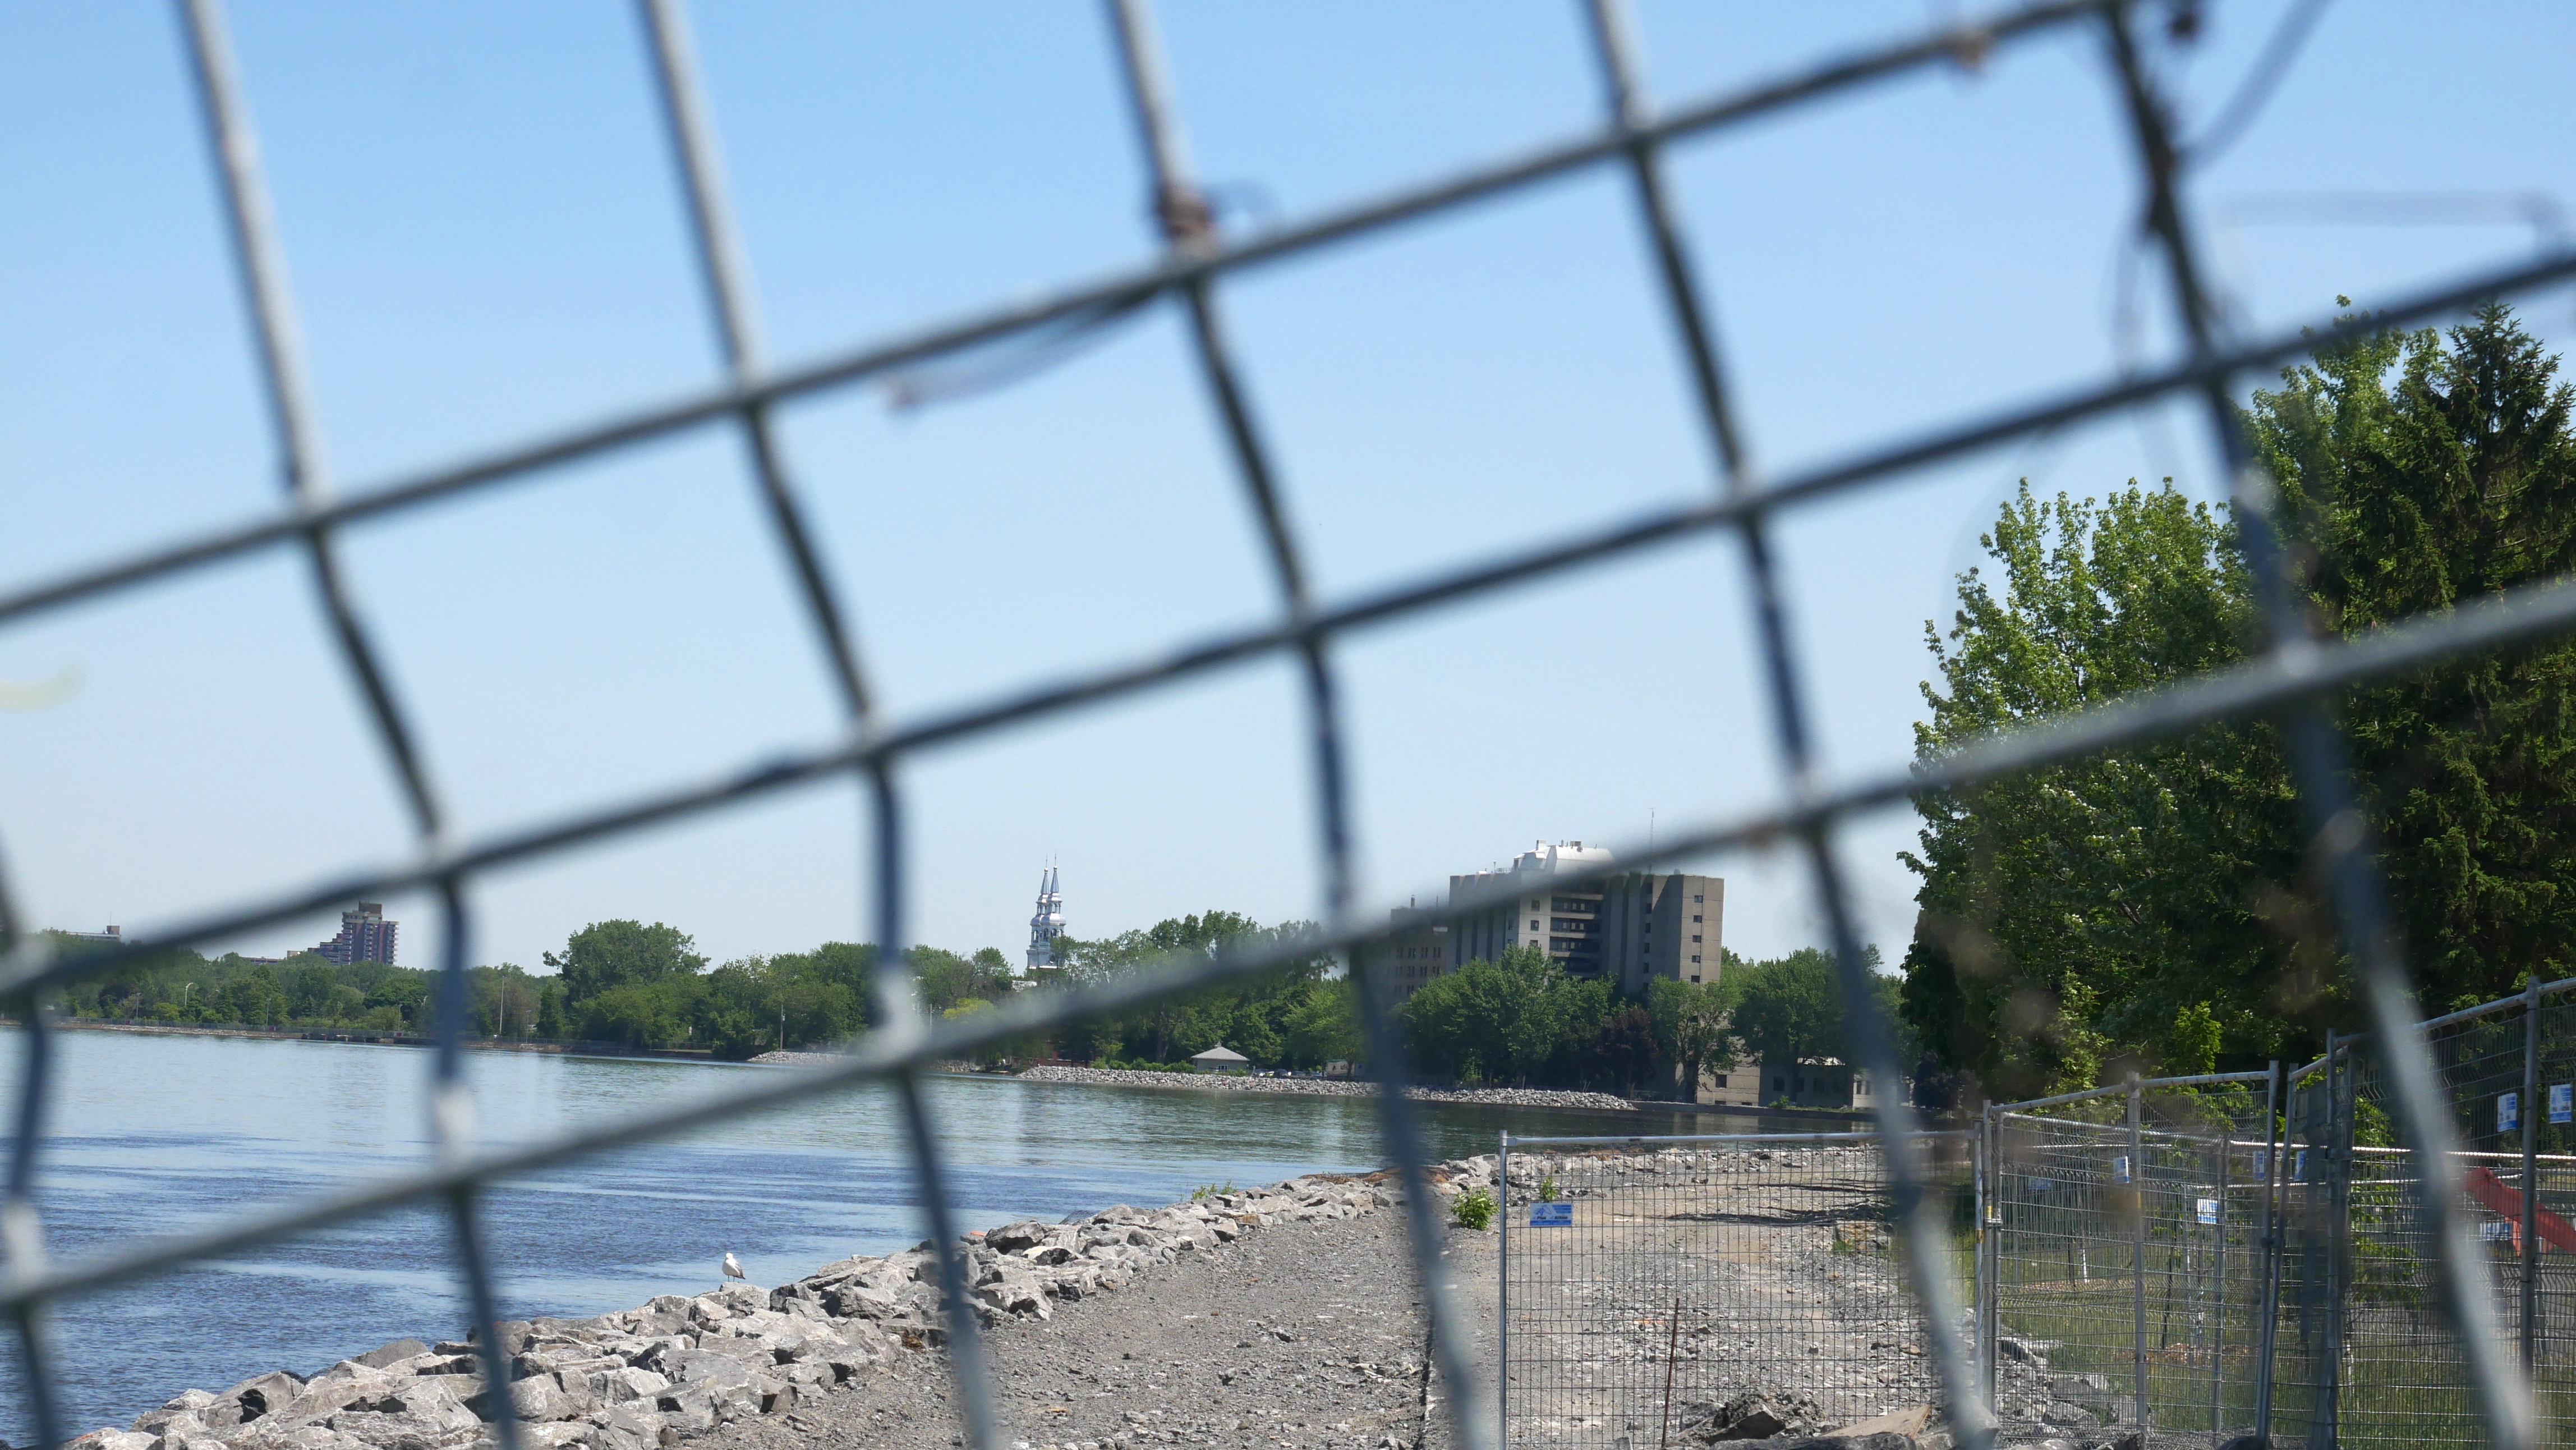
733	1268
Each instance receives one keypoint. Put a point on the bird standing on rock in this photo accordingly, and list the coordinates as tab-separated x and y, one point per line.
733	1269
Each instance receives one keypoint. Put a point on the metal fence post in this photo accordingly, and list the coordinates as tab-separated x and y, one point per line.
2138	1246
2218	1277
1503	1294
2267	1329
2530	1115
1989	1249
2342	1091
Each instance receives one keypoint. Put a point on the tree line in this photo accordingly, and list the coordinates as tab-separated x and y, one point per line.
1520	1020
2154	907
614	981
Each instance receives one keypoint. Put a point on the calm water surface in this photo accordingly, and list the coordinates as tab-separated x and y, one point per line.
148	1135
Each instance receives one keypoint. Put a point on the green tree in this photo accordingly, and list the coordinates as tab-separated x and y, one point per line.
609	954
1790	1010
2426	473
1690	1022
1504	1019
2107	912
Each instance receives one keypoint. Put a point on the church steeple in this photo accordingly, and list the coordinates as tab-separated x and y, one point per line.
1046	925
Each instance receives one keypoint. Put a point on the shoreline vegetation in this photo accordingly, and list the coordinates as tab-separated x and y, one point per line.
623	988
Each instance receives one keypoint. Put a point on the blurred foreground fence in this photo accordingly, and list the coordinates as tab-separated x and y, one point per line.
2347	1247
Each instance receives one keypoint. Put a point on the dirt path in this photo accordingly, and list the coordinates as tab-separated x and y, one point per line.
1307	1335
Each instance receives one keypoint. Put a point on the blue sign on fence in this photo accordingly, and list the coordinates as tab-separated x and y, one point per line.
2508	1112
1551	1215
2208	1210
2120	1169
2562	1102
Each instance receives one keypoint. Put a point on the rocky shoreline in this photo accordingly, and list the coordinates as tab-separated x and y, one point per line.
1328	1353
1325	1087
680	1368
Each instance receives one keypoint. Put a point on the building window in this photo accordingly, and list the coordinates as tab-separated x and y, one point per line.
1694	959
1694	936
1779	1084
1694	979
1721	1079
1694	918
1533	922
1700	898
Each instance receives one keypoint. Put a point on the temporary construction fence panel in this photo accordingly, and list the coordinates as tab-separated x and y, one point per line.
1653	1288
2122	1275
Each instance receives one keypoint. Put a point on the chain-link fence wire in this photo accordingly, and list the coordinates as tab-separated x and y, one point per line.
1666	1291
2123	1274
2292	672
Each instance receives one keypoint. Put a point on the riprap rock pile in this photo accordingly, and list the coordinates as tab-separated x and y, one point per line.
677	1368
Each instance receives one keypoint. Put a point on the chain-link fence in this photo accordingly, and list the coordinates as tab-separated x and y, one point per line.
1670	1290
2289	675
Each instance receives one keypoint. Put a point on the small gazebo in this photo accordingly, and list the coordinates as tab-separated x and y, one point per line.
1221	1059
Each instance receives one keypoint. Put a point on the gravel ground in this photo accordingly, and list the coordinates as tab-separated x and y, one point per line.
1307	1335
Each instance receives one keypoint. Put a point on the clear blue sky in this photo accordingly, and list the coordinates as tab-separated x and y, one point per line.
480	220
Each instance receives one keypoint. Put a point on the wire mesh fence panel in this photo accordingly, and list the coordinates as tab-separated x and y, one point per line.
2127	1275
1667	1294
2398	1376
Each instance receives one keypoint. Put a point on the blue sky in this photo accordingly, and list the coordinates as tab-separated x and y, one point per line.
486	243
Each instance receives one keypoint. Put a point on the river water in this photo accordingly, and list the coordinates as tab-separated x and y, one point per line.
148	1135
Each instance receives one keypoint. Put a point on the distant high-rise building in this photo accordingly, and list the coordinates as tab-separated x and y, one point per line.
1046	925
1630	928
365	936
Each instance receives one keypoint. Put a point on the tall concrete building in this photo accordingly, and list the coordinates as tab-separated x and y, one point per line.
1417	950
1628	928
365	936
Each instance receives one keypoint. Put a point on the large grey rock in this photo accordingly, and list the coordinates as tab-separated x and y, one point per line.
189	1404
273	1434
1017	1237
252	1398
627	1383
440	1428
387	1356
1010	1287
688	1409
538	1397
629	1427
436	1363
703	1367
856	1300
112	1439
